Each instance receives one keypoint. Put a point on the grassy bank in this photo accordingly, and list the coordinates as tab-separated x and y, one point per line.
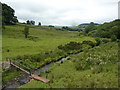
75	73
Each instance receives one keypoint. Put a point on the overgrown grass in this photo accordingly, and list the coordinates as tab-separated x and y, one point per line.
48	40
100	71
41	40
9	75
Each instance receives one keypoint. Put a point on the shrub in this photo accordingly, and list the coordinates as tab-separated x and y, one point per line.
113	38
81	65
92	44
26	31
8	50
71	46
98	41
35	58
20	57
105	40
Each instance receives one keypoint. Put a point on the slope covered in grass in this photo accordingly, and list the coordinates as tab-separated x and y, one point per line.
96	67
42	39
35	50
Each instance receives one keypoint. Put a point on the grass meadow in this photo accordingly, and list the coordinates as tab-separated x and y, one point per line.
47	39
41	40
93	68
77	72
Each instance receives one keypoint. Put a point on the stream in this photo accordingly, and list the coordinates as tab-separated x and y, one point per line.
23	79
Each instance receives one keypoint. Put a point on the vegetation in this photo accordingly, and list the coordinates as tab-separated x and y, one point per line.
71	46
8	16
39	24
9	75
32	47
71	29
26	31
28	53
90	27
30	22
84	26
107	30
94	68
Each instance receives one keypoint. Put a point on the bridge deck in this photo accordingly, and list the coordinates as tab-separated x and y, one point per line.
39	78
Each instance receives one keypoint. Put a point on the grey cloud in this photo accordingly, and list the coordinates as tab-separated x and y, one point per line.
65	12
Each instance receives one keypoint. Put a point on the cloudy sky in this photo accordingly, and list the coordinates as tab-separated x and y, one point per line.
64	12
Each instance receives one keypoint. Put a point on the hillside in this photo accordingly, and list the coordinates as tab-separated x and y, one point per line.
34	49
46	50
85	25
94	68
107	30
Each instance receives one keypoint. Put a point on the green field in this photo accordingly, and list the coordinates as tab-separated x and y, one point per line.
42	40
70	54
47	39
97	65
101	73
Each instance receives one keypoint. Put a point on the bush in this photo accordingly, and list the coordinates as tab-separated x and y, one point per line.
92	44
26	31
81	64
8	50
22	57
98	41
35	58
71	46
113	38
105	40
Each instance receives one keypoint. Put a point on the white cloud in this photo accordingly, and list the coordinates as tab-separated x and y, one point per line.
65	12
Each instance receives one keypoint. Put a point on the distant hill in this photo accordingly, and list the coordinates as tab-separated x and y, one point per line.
84	25
107	30
88	24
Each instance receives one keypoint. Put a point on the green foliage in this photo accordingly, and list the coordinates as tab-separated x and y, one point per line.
40	39
8	16
8	75
99	70
50	26
30	22
82	65
105	40
98	41
113	38
107	30
90	27
71	29
96	69
26	31
71	46
92	44
74	46
92	58
34	54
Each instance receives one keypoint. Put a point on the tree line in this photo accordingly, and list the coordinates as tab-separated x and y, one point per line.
106	30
